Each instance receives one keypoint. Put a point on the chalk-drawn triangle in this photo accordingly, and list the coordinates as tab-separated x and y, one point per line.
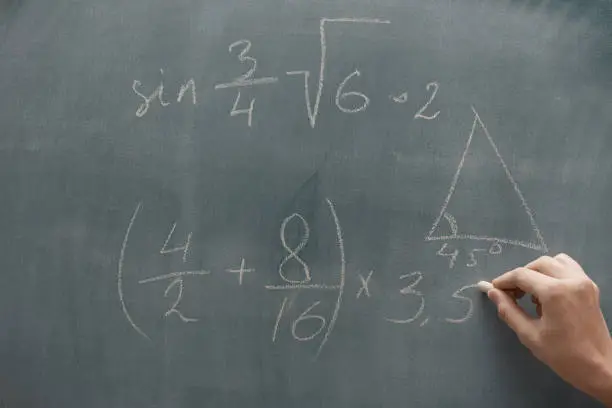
447	227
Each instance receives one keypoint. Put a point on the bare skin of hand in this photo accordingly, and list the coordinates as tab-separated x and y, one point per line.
570	335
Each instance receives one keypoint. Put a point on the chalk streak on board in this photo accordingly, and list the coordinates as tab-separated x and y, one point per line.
120	273
403	98
247	82
302	286
452	222
514	242
340	243
173	275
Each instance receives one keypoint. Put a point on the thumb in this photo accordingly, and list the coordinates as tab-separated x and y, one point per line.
512	314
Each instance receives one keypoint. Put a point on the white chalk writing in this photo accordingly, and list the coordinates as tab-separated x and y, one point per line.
306	316
341	96
294	252
539	245
313	109
248	111
178	282
411	290
365	285
120	274
452	255
420	114
184	248
241	271
470	310
157	93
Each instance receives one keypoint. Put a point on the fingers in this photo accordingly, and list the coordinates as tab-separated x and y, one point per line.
565	259
560	266
527	280
538	305
571	264
546	265
513	315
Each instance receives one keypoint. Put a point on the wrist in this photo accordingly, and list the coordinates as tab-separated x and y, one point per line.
600	385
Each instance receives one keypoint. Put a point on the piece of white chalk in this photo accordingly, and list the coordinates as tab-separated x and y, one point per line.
484	286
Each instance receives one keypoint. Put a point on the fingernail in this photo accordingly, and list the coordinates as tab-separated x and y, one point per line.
494	296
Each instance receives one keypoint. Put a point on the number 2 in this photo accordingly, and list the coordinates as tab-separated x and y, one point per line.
419	114
179	296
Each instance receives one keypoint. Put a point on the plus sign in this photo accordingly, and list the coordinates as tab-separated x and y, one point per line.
241	271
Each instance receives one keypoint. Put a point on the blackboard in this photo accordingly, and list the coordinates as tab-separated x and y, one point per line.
283	203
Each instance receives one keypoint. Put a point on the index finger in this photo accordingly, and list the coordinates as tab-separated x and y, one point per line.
548	266
574	267
524	279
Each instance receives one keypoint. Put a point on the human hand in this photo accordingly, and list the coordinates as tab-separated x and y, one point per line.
570	335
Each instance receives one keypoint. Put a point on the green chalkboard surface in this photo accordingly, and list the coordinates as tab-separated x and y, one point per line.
282	203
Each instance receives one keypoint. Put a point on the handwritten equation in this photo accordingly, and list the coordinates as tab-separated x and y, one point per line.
312	323
346	100
176	279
